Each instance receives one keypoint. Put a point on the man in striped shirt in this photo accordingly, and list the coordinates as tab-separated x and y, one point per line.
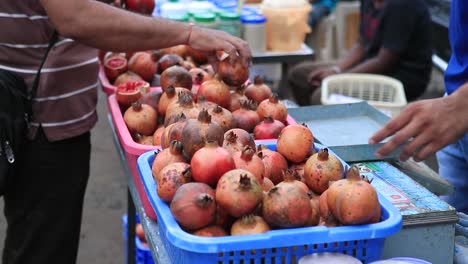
43	202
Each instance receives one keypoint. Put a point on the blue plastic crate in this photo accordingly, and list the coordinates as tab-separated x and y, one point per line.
142	253
364	242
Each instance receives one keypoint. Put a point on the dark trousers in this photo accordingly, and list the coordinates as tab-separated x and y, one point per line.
44	201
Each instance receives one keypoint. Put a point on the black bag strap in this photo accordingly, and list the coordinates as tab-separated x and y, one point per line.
33	90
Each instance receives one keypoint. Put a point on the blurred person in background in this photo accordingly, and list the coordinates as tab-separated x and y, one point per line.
439	125
395	40
44	198
320	10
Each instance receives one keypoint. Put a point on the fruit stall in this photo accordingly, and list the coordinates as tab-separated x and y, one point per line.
221	170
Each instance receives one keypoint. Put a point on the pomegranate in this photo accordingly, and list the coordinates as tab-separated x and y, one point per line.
326	217
183	105
157	136
274	108
114	65
322	168
130	92
223	117
140	6
151	98
193	205
235	139
176	76
173	131
202	103
199	76
210	163
223	218
144	140
215	91
169	60
277	207
180	50
170	95
353	201
237	96
314	218
141	118
295	142
197	56
144	64
246	117
199	131
274	163
258	90
233	73
290	177
267	184
247	160
127	76
167	156
249	224
170	178
268	128
211	231
238	192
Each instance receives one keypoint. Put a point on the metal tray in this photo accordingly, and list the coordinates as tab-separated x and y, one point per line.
345	128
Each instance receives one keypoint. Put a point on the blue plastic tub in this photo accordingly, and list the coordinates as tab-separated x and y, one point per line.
364	242
142	253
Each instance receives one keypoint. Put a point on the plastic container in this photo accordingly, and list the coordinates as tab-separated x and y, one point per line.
254	32
200	6
230	22
173	8
131	151
205	20
180	18
401	260
382	92
286	25
142	252
364	242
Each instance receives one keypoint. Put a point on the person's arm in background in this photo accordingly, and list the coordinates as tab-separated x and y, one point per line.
109	28
429	124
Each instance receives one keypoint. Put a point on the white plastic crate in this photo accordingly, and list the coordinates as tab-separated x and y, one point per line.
382	92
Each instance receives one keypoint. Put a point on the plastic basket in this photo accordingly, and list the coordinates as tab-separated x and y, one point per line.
142	252
364	242
131	150
382	92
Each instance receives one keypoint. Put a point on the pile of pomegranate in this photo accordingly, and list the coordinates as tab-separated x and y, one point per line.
219	183
189	85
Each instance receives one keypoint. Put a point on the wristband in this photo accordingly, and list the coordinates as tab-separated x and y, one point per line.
190	33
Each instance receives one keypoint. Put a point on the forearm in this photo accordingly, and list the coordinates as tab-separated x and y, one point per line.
459	101
109	28
355	56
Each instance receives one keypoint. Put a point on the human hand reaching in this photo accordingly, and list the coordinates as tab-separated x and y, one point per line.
212	41
428	125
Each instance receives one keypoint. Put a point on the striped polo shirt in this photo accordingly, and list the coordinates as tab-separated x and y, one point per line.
65	102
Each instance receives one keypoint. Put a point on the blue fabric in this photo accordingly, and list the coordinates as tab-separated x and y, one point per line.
453	166
330	4
457	70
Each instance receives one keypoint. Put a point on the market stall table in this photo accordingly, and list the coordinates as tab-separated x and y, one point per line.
134	205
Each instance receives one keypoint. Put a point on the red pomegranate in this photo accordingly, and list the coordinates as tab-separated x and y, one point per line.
144	64
321	169
238	192
210	163
194	205
140	6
